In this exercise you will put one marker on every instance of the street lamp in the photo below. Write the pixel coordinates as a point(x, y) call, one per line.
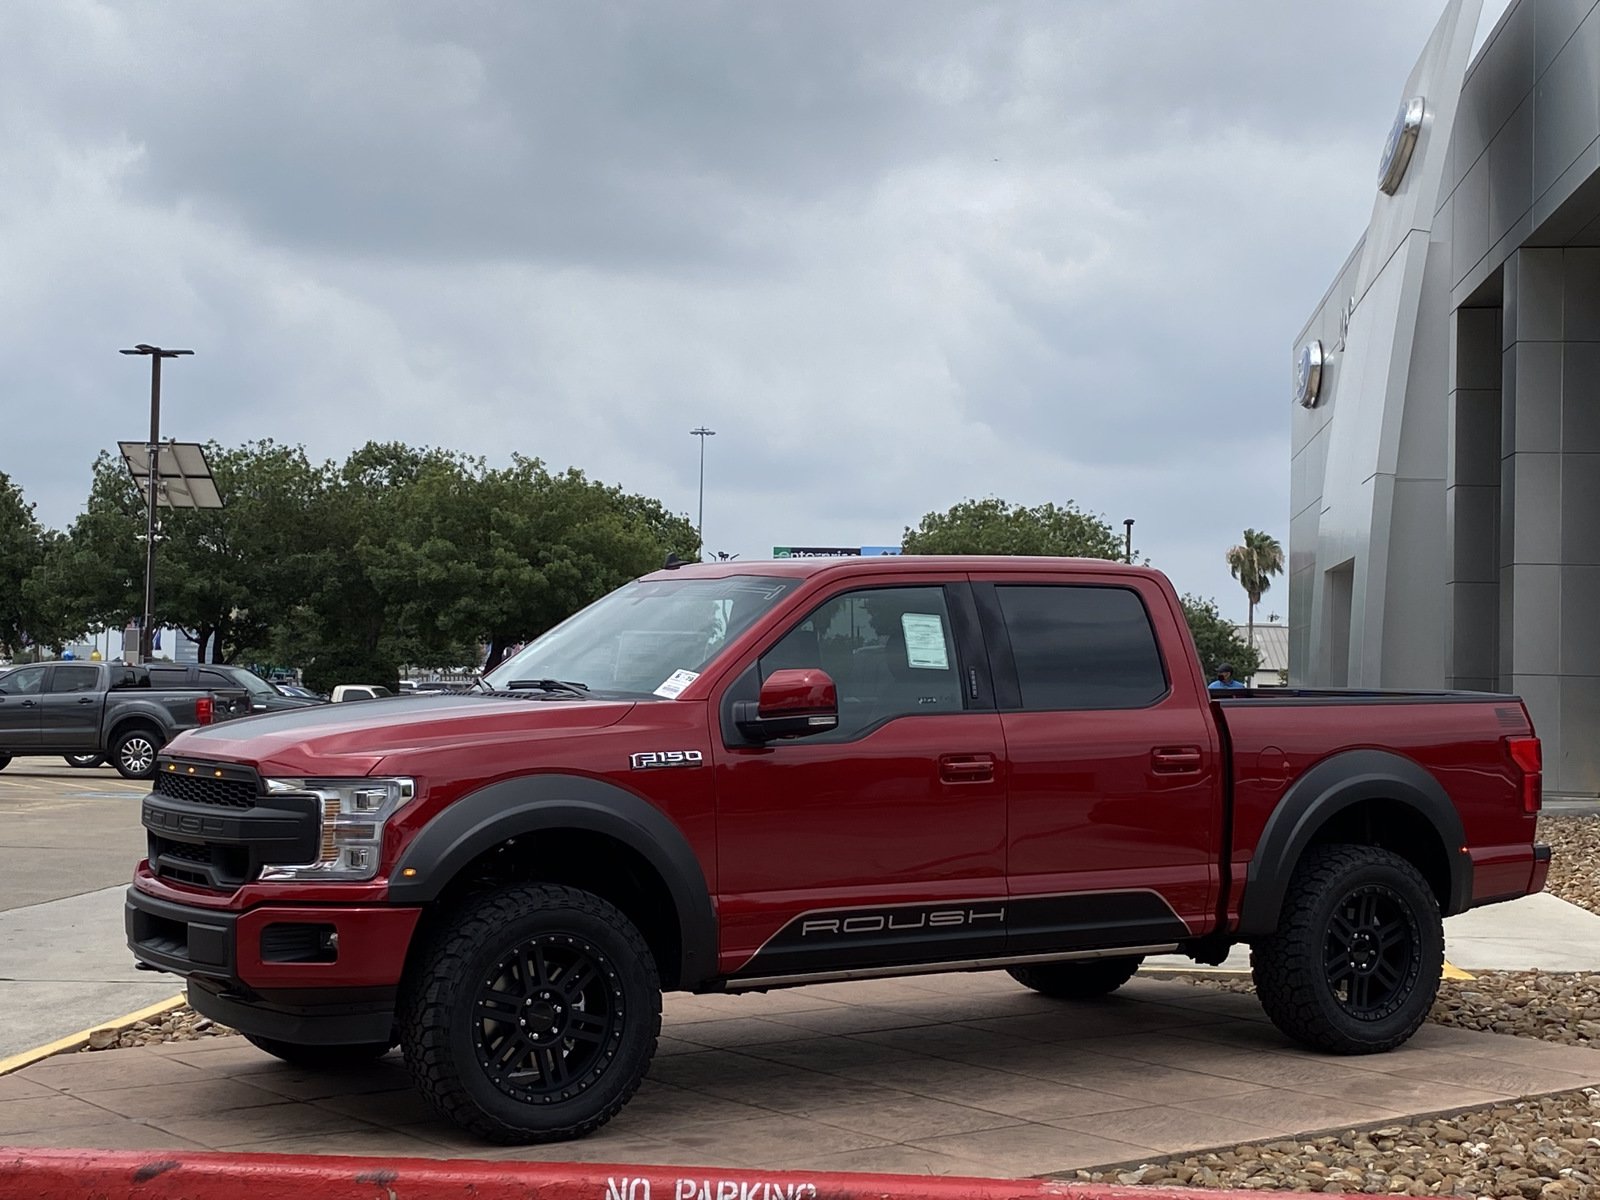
point(1127, 541)
point(700, 525)
point(155, 354)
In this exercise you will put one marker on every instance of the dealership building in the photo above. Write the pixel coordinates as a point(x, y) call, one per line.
point(1445, 482)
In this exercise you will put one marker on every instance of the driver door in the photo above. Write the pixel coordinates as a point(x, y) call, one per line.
point(880, 842)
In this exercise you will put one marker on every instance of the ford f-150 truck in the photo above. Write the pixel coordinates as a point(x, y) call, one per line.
point(735, 777)
point(98, 711)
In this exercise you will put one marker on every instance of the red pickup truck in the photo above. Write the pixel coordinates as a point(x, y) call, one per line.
point(725, 778)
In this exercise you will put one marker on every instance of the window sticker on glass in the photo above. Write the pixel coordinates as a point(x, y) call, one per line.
point(925, 646)
point(675, 683)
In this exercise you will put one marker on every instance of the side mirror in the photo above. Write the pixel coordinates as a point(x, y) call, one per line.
point(795, 703)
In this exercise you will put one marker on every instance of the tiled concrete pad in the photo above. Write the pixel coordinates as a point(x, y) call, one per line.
point(965, 1074)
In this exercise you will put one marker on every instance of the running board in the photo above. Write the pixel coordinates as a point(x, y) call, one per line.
point(975, 964)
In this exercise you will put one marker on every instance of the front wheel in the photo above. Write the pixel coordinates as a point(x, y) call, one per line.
point(1354, 965)
point(533, 1015)
point(84, 760)
point(320, 1057)
point(1083, 980)
point(134, 754)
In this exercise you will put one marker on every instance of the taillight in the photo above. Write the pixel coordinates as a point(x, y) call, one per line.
point(204, 710)
point(1528, 757)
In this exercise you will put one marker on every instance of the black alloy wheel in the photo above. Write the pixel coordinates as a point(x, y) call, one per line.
point(1370, 954)
point(1354, 964)
point(531, 1014)
point(547, 1018)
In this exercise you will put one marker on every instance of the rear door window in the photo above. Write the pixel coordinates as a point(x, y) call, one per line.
point(1080, 647)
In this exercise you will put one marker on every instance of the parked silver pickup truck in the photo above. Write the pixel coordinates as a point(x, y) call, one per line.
point(79, 709)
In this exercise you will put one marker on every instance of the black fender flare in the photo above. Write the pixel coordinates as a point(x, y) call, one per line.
point(482, 820)
point(1327, 789)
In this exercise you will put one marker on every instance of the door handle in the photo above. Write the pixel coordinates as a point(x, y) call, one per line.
point(1176, 760)
point(27, 704)
point(966, 768)
point(86, 700)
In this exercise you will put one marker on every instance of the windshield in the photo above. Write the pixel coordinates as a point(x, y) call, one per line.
point(253, 683)
point(646, 636)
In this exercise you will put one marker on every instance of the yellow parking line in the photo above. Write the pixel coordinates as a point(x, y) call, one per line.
point(74, 1040)
point(1451, 971)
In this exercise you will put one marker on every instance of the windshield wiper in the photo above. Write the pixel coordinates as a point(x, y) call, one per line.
point(547, 685)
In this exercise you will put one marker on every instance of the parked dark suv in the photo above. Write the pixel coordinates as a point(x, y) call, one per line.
point(201, 676)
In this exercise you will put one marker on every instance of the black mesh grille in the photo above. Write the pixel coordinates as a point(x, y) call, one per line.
point(206, 789)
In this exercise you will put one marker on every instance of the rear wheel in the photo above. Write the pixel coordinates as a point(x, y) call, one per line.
point(533, 1016)
point(84, 760)
point(1354, 965)
point(1081, 980)
point(330, 1057)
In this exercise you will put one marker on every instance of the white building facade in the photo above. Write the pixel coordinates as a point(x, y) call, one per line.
point(1445, 481)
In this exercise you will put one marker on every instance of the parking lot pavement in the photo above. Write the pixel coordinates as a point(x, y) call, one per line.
point(69, 839)
point(960, 1074)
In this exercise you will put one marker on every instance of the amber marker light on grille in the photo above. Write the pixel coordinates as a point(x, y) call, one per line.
point(409, 872)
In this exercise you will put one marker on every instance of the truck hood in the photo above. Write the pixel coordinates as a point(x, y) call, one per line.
point(351, 739)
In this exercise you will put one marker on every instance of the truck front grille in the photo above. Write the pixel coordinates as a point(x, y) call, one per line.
point(206, 789)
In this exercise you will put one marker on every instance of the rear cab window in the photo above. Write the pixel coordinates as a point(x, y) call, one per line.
point(1080, 646)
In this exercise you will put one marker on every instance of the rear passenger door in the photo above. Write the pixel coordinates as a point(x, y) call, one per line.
point(1115, 788)
point(70, 708)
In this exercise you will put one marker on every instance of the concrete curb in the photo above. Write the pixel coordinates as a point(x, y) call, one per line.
point(152, 1175)
point(74, 1041)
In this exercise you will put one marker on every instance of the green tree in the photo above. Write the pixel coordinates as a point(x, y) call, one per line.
point(1254, 562)
point(1216, 640)
point(21, 551)
point(993, 526)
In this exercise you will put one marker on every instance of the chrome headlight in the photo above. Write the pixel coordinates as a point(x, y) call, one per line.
point(353, 815)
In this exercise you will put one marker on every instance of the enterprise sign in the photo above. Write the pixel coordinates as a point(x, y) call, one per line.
point(832, 551)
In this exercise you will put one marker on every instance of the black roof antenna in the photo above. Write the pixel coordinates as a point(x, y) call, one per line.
point(673, 561)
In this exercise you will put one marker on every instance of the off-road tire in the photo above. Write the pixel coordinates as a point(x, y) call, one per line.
point(320, 1057)
point(134, 752)
point(85, 760)
point(1308, 970)
point(450, 1044)
point(5, 761)
point(1081, 980)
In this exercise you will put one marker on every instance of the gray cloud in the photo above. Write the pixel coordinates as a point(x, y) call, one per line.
point(896, 254)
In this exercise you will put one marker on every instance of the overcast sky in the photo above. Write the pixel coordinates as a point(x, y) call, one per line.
point(895, 253)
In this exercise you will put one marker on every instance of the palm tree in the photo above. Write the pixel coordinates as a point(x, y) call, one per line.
point(1253, 563)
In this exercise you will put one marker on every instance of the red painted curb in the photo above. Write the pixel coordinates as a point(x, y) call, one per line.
point(153, 1175)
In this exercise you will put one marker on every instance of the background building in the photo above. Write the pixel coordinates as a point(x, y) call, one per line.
point(1445, 483)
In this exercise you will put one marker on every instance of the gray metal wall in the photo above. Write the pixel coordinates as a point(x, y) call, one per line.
point(1445, 493)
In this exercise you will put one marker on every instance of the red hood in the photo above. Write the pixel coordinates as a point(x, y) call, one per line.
point(351, 739)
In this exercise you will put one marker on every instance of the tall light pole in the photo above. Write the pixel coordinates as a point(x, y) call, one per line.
point(146, 628)
point(700, 525)
point(1127, 541)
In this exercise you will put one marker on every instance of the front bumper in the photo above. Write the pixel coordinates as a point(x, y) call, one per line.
point(304, 973)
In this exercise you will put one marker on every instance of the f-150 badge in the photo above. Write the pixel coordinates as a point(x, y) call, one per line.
point(667, 758)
